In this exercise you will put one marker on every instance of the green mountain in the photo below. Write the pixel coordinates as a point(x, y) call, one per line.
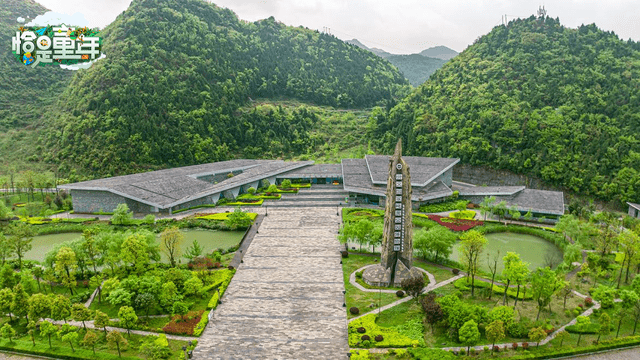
point(416, 68)
point(177, 71)
point(536, 98)
point(439, 52)
point(24, 91)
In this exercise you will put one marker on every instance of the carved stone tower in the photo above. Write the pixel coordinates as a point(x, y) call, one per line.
point(397, 243)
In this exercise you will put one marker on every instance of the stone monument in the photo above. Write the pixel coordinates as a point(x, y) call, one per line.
point(397, 243)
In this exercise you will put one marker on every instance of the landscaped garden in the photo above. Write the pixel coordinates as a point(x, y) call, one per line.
point(473, 317)
point(158, 276)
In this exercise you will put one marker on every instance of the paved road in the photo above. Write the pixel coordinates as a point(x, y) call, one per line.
point(631, 354)
point(285, 301)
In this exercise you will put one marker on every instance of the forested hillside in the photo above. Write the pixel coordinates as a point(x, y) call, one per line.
point(416, 68)
point(24, 91)
point(533, 97)
point(175, 74)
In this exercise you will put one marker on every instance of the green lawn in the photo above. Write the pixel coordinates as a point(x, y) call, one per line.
point(59, 349)
point(439, 273)
point(354, 296)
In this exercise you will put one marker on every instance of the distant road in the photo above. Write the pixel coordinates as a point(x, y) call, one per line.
point(630, 354)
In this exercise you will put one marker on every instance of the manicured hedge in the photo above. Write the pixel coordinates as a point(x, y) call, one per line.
point(194, 207)
point(551, 353)
point(464, 285)
point(204, 320)
point(444, 206)
point(463, 214)
point(223, 279)
point(222, 216)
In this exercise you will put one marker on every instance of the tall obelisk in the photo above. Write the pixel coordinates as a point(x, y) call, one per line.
point(397, 244)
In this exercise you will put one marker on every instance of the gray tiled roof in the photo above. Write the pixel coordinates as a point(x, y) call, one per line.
point(315, 171)
point(170, 187)
point(489, 190)
point(540, 201)
point(634, 205)
point(356, 178)
point(423, 169)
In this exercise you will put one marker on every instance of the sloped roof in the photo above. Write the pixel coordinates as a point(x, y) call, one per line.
point(489, 190)
point(423, 170)
point(540, 201)
point(357, 178)
point(315, 171)
point(170, 187)
point(636, 206)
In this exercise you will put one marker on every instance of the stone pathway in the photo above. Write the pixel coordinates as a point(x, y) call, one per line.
point(432, 286)
point(286, 299)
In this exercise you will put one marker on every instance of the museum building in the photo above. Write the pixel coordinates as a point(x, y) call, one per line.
point(365, 180)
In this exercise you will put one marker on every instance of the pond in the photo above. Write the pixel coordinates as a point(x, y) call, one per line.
point(208, 240)
point(532, 249)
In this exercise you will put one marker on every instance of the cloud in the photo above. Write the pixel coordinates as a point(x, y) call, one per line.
point(20, 19)
point(55, 18)
point(81, 66)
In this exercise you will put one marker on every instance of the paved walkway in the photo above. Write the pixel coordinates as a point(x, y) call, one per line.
point(286, 299)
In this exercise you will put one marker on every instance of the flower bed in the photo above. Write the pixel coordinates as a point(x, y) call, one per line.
point(180, 326)
point(455, 224)
point(221, 216)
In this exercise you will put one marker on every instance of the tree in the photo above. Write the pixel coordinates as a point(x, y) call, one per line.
point(621, 313)
point(572, 253)
point(21, 240)
point(65, 267)
point(519, 272)
point(473, 243)
point(193, 251)
point(169, 295)
point(179, 308)
point(6, 246)
point(6, 299)
point(433, 311)
point(4, 211)
point(630, 242)
point(115, 339)
point(514, 213)
point(145, 301)
point(47, 329)
point(582, 324)
point(70, 337)
point(566, 291)
point(438, 241)
point(128, 318)
point(90, 339)
point(544, 283)
point(134, 252)
point(272, 188)
point(91, 249)
point(31, 330)
point(469, 334)
point(101, 320)
point(171, 240)
point(361, 231)
point(605, 325)
point(495, 332)
point(485, 206)
point(562, 335)
point(192, 286)
point(121, 215)
point(500, 209)
point(492, 263)
point(413, 286)
point(537, 334)
point(80, 313)
point(96, 281)
point(120, 297)
point(60, 307)
point(156, 347)
point(605, 295)
point(20, 302)
point(39, 306)
point(7, 332)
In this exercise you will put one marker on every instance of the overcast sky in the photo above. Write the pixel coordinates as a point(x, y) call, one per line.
point(400, 26)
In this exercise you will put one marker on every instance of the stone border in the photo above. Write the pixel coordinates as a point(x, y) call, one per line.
point(352, 280)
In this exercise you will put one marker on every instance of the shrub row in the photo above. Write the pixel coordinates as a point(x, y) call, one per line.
point(552, 353)
point(444, 206)
point(463, 285)
point(204, 320)
point(223, 279)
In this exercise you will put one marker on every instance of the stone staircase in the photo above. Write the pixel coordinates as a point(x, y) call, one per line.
point(316, 196)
